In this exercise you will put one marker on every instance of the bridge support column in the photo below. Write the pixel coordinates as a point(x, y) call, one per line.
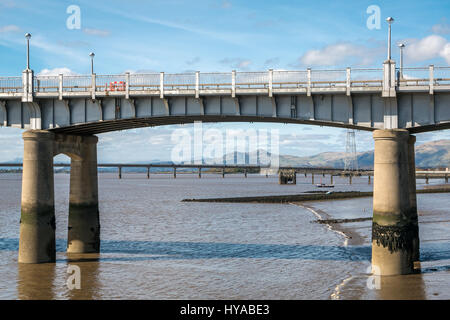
point(84, 223)
point(395, 227)
point(37, 219)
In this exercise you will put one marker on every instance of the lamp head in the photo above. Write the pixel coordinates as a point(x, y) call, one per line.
point(28, 36)
point(390, 20)
point(91, 54)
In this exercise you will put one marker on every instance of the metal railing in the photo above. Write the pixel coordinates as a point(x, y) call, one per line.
point(271, 79)
point(11, 84)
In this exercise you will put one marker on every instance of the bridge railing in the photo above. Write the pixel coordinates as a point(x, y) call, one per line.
point(215, 80)
point(272, 79)
point(441, 76)
point(366, 77)
point(288, 79)
point(11, 84)
point(179, 81)
point(144, 81)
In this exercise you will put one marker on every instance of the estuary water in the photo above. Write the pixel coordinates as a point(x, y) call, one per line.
point(153, 246)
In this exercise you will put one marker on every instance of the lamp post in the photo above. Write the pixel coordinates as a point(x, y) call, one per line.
point(401, 46)
point(92, 55)
point(28, 36)
point(389, 20)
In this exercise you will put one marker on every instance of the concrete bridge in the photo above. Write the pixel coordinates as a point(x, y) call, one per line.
point(63, 113)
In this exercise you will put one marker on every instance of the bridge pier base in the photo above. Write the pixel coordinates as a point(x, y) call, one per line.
point(395, 236)
point(37, 218)
point(84, 223)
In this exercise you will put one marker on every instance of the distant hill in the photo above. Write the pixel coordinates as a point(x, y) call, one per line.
point(434, 154)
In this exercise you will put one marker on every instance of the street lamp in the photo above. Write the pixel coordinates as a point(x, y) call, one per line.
point(28, 36)
point(401, 46)
point(92, 55)
point(389, 20)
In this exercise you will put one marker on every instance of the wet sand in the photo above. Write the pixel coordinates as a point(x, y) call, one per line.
point(433, 281)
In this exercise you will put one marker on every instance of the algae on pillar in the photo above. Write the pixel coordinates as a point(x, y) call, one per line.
point(395, 227)
point(37, 219)
point(84, 223)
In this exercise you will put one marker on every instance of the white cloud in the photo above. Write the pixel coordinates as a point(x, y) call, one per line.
point(339, 53)
point(237, 63)
point(9, 28)
point(441, 28)
point(445, 53)
point(424, 49)
point(56, 71)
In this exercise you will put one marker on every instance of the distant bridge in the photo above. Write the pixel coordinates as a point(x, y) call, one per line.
point(420, 174)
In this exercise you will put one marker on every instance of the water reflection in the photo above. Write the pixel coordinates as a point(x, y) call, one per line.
point(89, 276)
point(35, 281)
point(407, 287)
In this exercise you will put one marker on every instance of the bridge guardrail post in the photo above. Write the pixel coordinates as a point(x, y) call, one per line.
point(127, 85)
point(348, 81)
point(431, 79)
point(93, 85)
point(197, 84)
point(388, 89)
point(308, 88)
point(270, 82)
point(60, 86)
point(27, 84)
point(233, 84)
point(161, 85)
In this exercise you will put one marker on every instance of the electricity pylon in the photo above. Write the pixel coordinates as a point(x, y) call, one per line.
point(351, 158)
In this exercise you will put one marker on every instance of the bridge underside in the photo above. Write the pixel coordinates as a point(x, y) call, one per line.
point(414, 111)
point(132, 123)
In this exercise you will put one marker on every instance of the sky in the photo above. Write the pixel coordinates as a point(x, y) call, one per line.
point(216, 35)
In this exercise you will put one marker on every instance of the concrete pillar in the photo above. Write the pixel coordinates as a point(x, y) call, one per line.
point(84, 222)
point(120, 172)
point(413, 198)
point(37, 219)
point(394, 228)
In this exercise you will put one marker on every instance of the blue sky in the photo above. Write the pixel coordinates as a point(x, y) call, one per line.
point(215, 35)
